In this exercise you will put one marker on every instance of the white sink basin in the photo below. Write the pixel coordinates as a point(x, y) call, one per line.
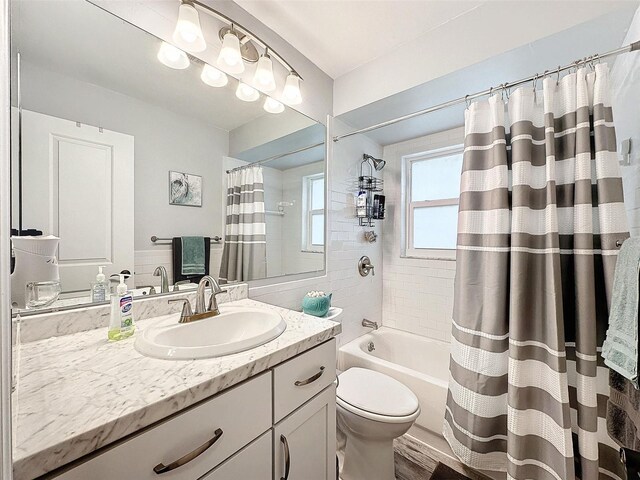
point(236, 329)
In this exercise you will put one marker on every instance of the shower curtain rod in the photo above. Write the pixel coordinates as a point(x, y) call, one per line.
point(275, 157)
point(505, 86)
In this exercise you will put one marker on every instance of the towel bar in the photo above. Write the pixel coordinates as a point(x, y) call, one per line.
point(155, 239)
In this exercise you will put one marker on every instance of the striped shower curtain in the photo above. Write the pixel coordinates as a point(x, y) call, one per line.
point(541, 210)
point(245, 243)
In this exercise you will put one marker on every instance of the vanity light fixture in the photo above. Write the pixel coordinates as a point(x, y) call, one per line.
point(188, 33)
point(247, 93)
point(291, 93)
point(213, 77)
point(271, 105)
point(239, 45)
point(230, 58)
point(263, 78)
point(172, 57)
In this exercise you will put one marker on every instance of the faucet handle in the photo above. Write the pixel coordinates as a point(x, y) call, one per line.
point(186, 308)
point(213, 303)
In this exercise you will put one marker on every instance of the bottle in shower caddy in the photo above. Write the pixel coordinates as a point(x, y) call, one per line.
point(121, 324)
point(361, 202)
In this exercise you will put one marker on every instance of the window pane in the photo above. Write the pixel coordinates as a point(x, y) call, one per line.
point(317, 229)
point(317, 194)
point(435, 227)
point(436, 178)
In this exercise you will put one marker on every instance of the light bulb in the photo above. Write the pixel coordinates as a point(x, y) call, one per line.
point(271, 105)
point(188, 34)
point(247, 93)
point(172, 57)
point(291, 93)
point(263, 78)
point(230, 58)
point(213, 77)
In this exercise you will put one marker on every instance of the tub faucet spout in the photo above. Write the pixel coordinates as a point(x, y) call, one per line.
point(369, 324)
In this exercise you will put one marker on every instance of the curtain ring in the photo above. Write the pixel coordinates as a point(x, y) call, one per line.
point(491, 91)
point(467, 101)
point(576, 65)
point(558, 75)
point(501, 87)
point(535, 82)
point(506, 90)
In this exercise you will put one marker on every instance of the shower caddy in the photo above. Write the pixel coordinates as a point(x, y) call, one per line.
point(374, 209)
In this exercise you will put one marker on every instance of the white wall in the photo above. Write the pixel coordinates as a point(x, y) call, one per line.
point(266, 128)
point(625, 98)
point(359, 297)
point(417, 293)
point(490, 29)
point(163, 140)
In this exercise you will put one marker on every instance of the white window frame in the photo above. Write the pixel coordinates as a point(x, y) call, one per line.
point(308, 213)
point(408, 206)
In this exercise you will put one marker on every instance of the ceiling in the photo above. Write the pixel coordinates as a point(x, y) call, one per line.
point(339, 35)
point(559, 49)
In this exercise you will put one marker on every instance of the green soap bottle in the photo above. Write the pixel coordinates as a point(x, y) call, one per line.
point(121, 324)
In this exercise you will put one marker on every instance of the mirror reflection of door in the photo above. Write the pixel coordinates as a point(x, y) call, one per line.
point(78, 185)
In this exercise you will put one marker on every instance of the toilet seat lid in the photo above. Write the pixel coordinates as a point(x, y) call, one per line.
point(376, 392)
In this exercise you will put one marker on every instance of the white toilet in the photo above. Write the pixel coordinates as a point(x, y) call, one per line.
point(372, 410)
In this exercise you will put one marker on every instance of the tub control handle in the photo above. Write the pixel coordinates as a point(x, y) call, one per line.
point(311, 379)
point(365, 266)
point(287, 457)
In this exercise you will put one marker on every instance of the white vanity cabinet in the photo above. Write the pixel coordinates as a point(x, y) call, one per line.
point(253, 431)
point(305, 441)
point(251, 463)
point(190, 444)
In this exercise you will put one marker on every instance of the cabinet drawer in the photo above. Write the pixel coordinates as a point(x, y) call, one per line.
point(251, 463)
point(302, 377)
point(227, 422)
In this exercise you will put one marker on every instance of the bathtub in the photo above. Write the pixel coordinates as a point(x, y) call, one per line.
point(421, 363)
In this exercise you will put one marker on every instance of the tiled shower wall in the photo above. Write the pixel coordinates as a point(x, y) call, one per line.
point(417, 293)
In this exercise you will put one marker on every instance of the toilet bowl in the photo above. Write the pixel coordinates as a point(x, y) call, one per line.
point(372, 410)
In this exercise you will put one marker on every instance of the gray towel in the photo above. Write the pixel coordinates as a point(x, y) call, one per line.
point(193, 256)
point(620, 348)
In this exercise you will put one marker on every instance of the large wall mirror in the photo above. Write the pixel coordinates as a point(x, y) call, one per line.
point(129, 164)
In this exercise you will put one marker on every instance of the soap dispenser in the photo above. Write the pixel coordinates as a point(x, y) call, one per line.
point(100, 288)
point(121, 322)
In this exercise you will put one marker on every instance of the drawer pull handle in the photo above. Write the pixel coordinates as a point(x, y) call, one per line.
point(287, 458)
point(313, 378)
point(162, 468)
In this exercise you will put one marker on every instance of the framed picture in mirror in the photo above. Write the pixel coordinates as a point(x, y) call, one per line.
point(185, 189)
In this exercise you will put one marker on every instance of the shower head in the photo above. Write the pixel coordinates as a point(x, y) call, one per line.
point(378, 163)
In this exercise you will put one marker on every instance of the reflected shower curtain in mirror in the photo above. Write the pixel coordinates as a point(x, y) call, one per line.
point(541, 209)
point(245, 244)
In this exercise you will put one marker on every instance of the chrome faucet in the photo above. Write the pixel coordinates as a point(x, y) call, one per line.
point(164, 279)
point(369, 324)
point(187, 315)
point(213, 303)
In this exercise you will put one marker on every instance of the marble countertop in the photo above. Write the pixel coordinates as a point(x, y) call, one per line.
point(77, 393)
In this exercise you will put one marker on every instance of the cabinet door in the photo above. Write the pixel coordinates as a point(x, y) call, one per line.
point(305, 441)
point(252, 462)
